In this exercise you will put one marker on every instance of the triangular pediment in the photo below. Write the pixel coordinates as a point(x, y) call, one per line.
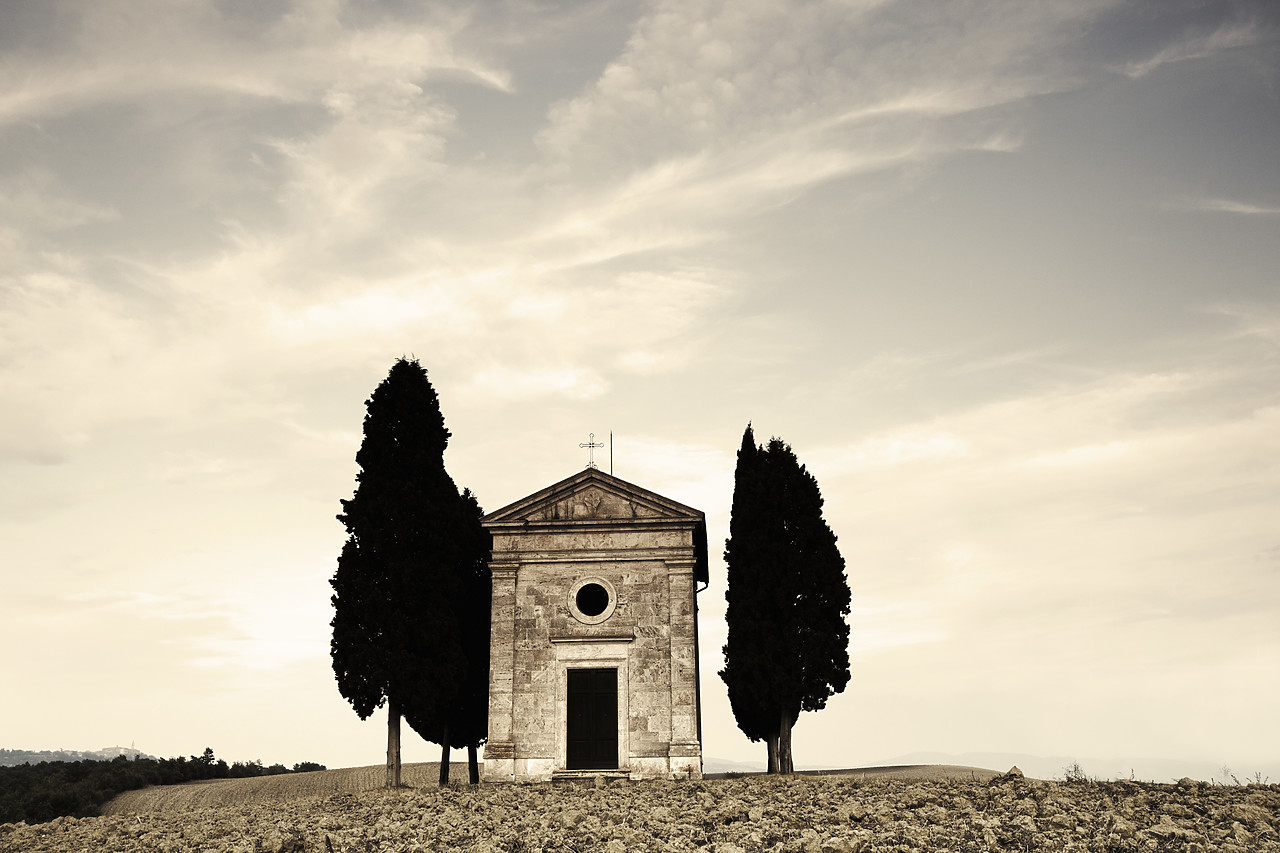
point(588, 496)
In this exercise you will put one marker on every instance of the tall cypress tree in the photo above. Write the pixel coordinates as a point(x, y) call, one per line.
point(787, 647)
point(402, 586)
point(749, 601)
point(465, 721)
point(470, 726)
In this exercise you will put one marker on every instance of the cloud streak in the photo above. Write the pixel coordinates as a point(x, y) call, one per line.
point(1224, 205)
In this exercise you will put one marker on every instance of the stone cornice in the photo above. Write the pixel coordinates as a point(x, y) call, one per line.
point(644, 506)
point(584, 638)
point(678, 566)
point(646, 555)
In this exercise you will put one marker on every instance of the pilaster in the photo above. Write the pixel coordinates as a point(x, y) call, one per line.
point(684, 673)
point(499, 751)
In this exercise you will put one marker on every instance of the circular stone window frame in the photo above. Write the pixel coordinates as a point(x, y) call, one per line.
point(604, 614)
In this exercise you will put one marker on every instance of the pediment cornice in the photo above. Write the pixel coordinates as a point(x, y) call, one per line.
point(591, 496)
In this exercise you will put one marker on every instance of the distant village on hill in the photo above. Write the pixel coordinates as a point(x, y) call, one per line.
point(17, 757)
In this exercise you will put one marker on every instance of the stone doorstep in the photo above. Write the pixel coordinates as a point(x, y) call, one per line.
point(589, 775)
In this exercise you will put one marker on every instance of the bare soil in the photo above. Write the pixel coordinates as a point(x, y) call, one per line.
point(918, 772)
point(287, 786)
point(837, 813)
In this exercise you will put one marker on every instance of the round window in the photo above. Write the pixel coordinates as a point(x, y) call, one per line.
point(592, 600)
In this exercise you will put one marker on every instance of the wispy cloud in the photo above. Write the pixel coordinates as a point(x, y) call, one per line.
point(1225, 205)
point(123, 51)
point(1089, 454)
point(39, 200)
point(1254, 320)
point(877, 627)
point(897, 448)
point(501, 384)
point(1230, 35)
point(693, 75)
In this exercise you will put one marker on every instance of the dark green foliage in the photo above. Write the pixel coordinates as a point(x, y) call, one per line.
point(751, 605)
point(469, 724)
point(787, 594)
point(410, 570)
point(36, 793)
point(253, 769)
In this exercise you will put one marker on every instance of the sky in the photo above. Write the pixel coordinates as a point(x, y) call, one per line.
point(1005, 275)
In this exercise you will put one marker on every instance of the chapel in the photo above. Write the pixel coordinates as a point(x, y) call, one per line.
point(594, 641)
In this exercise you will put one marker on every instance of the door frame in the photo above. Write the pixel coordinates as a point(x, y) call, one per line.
point(591, 655)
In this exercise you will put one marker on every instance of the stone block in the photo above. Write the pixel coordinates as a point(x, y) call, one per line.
point(499, 769)
point(534, 769)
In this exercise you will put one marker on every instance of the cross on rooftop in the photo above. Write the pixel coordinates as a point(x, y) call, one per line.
point(591, 444)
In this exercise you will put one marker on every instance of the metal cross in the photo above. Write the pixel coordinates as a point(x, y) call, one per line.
point(591, 444)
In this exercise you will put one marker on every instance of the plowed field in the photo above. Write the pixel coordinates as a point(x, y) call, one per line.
point(798, 814)
point(287, 786)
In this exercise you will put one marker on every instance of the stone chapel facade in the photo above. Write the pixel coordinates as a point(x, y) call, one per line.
point(594, 641)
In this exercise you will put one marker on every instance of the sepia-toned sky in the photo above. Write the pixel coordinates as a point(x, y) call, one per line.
point(1006, 275)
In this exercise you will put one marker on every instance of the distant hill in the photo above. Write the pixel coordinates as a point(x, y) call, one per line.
point(1050, 766)
point(1142, 769)
point(16, 757)
point(216, 793)
point(710, 764)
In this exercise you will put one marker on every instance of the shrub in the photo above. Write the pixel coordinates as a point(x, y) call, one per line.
point(1073, 774)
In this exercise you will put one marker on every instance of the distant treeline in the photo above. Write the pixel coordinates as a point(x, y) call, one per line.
point(36, 793)
point(14, 757)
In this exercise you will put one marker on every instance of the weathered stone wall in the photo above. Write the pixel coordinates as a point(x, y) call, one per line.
point(649, 633)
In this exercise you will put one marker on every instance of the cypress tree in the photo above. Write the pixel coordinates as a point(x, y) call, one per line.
point(470, 726)
point(749, 603)
point(465, 721)
point(402, 586)
point(787, 646)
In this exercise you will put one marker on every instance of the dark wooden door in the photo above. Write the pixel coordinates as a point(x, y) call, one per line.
point(593, 719)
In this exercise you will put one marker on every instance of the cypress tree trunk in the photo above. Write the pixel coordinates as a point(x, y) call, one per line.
point(473, 764)
point(785, 764)
point(444, 759)
point(393, 744)
point(772, 742)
